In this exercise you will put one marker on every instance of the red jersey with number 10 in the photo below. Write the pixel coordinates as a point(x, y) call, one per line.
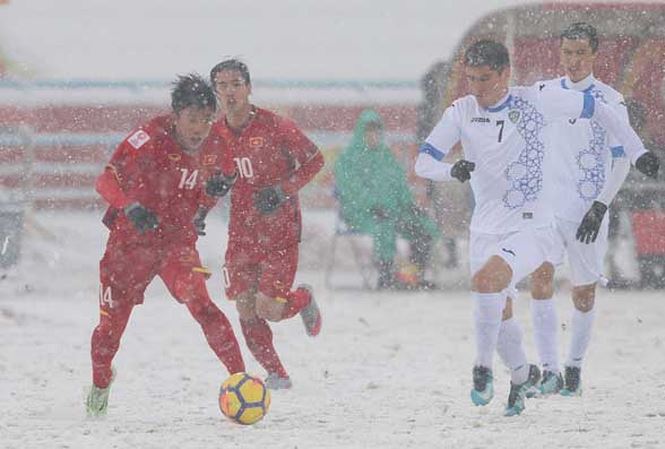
point(151, 168)
point(269, 151)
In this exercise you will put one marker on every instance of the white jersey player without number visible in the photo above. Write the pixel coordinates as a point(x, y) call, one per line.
point(586, 153)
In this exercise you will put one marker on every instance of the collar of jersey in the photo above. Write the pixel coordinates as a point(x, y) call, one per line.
point(502, 104)
point(584, 85)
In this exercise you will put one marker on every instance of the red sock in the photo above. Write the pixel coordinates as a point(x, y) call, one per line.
point(222, 340)
point(259, 341)
point(217, 330)
point(105, 343)
point(296, 301)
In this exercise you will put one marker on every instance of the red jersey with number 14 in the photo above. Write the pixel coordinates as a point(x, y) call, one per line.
point(151, 168)
point(269, 151)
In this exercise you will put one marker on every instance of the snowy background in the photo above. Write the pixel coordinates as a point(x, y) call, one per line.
point(303, 39)
point(389, 370)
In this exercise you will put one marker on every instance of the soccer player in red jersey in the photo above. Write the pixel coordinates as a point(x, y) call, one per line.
point(155, 184)
point(270, 161)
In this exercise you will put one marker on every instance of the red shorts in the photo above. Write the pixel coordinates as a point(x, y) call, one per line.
point(270, 273)
point(127, 270)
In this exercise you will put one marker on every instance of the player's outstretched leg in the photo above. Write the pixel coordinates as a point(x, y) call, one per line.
point(104, 344)
point(287, 304)
point(483, 385)
point(518, 391)
point(310, 314)
point(259, 341)
point(218, 332)
point(97, 400)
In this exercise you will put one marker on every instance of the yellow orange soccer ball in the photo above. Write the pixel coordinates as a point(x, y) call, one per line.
point(244, 398)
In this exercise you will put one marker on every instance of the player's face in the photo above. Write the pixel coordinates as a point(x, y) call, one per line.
point(192, 126)
point(486, 84)
point(577, 58)
point(373, 136)
point(232, 90)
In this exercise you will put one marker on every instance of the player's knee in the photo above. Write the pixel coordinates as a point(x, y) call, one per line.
point(107, 334)
point(190, 286)
point(584, 297)
point(542, 282)
point(203, 310)
point(493, 277)
point(245, 307)
point(269, 308)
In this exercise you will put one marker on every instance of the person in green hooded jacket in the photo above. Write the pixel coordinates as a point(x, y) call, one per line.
point(375, 199)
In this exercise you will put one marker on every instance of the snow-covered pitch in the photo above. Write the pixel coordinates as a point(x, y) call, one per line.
point(389, 370)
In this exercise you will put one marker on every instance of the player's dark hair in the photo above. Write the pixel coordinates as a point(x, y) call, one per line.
point(581, 30)
point(231, 64)
point(192, 90)
point(486, 52)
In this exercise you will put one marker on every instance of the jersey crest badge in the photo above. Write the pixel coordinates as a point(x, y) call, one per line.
point(138, 139)
point(209, 159)
point(514, 115)
point(174, 157)
point(256, 142)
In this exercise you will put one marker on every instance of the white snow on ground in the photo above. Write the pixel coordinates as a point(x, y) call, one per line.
point(390, 370)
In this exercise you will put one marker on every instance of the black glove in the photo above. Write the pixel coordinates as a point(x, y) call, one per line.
point(648, 164)
point(200, 221)
point(219, 185)
point(269, 199)
point(141, 218)
point(462, 170)
point(588, 229)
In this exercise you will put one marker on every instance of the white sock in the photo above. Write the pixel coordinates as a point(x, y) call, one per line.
point(509, 347)
point(487, 315)
point(581, 330)
point(545, 326)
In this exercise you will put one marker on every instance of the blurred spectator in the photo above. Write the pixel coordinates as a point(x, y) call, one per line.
point(639, 194)
point(376, 199)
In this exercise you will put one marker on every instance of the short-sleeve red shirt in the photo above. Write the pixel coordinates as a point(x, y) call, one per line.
point(152, 169)
point(269, 151)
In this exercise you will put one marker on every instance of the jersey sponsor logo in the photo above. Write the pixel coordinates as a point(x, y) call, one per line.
point(514, 115)
point(508, 251)
point(138, 139)
point(174, 156)
point(572, 121)
point(209, 159)
point(527, 215)
point(480, 120)
point(541, 86)
point(256, 142)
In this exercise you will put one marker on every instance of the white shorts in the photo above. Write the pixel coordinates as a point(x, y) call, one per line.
point(586, 260)
point(523, 250)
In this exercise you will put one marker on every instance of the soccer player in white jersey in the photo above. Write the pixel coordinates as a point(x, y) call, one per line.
point(590, 167)
point(512, 227)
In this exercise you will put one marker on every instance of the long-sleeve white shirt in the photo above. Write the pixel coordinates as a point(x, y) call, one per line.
point(512, 182)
